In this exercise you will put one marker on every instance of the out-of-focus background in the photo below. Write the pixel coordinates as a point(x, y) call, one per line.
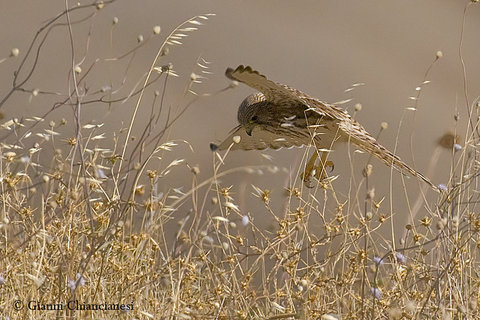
point(319, 47)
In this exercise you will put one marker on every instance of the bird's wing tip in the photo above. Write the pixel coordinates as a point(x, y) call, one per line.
point(213, 146)
point(228, 73)
point(233, 73)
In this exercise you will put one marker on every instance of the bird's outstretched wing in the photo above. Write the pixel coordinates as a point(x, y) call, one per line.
point(274, 92)
point(259, 140)
point(281, 94)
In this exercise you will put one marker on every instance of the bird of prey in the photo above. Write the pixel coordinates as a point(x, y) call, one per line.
point(278, 116)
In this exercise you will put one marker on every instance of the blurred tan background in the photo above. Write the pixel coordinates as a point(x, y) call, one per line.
point(319, 47)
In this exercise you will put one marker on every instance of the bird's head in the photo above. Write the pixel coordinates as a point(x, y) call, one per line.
point(252, 112)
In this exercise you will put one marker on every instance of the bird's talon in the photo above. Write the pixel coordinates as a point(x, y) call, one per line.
point(308, 181)
point(310, 169)
point(322, 172)
point(307, 176)
point(330, 164)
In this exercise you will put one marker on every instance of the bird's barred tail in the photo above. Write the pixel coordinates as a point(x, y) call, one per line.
point(390, 159)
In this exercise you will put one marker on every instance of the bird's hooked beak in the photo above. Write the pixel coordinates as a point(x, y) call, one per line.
point(249, 127)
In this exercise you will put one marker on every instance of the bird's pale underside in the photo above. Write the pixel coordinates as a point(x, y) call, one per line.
point(279, 116)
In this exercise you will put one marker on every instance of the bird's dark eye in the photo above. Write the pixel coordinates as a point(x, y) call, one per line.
point(254, 118)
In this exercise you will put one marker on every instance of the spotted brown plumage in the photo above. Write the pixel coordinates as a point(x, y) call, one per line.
point(279, 116)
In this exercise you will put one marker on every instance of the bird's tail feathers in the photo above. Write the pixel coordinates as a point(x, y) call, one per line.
point(383, 154)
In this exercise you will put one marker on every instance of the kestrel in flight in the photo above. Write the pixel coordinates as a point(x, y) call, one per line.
point(278, 116)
